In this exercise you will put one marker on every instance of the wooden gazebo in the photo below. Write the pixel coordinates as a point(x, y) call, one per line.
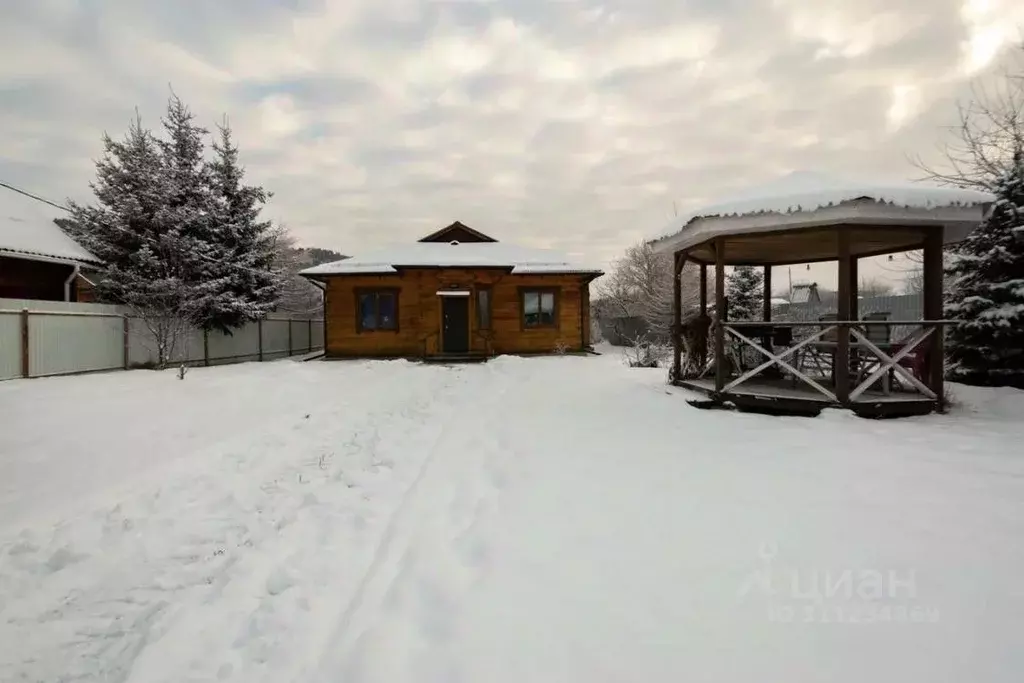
point(806, 218)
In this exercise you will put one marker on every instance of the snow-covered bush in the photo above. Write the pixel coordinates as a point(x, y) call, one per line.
point(643, 353)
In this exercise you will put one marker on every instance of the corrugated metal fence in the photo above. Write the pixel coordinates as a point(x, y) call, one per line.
point(899, 307)
point(42, 338)
point(621, 331)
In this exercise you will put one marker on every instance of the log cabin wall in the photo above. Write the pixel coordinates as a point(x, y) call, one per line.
point(418, 331)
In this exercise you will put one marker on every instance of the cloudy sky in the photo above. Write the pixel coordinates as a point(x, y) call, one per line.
point(573, 124)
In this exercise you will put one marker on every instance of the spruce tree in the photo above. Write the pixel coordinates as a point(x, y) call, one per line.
point(745, 287)
point(149, 260)
point(180, 235)
point(192, 213)
point(252, 283)
point(986, 293)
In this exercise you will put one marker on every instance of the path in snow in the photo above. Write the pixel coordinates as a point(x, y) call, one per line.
point(224, 569)
point(558, 519)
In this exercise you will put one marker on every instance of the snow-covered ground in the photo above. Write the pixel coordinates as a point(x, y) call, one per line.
point(550, 519)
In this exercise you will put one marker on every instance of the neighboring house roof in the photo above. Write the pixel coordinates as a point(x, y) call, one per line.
point(806, 192)
point(455, 254)
point(27, 231)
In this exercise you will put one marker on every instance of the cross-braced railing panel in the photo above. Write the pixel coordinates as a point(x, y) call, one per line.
point(887, 363)
point(779, 359)
point(868, 360)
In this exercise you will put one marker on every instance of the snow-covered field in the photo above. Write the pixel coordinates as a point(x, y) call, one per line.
point(552, 519)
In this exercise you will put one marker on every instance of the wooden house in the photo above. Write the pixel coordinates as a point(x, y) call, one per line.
point(37, 260)
point(456, 293)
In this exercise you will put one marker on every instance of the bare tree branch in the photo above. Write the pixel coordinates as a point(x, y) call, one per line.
point(990, 129)
point(640, 285)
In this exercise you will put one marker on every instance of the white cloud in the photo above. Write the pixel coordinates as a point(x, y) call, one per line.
point(846, 29)
point(906, 102)
point(279, 116)
point(991, 25)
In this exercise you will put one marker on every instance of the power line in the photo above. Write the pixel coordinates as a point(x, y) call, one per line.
point(35, 197)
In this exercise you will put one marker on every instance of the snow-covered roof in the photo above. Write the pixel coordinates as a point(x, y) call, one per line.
point(522, 260)
point(27, 231)
point(805, 192)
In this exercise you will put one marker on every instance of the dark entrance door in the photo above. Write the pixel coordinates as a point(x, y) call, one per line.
point(455, 324)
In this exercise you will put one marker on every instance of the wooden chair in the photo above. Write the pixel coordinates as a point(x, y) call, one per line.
point(818, 356)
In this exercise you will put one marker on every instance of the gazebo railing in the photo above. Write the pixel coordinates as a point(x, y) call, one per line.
point(881, 359)
point(776, 359)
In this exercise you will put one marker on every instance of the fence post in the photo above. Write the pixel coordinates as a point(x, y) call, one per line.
point(259, 331)
point(24, 343)
point(289, 336)
point(206, 347)
point(309, 339)
point(125, 340)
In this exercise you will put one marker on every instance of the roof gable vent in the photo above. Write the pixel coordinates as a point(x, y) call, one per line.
point(457, 231)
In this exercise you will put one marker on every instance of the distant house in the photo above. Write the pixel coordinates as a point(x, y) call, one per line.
point(806, 294)
point(455, 293)
point(37, 260)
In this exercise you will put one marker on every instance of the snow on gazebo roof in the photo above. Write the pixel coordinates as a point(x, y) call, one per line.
point(807, 192)
point(27, 231)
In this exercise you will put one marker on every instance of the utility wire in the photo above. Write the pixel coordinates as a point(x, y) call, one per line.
point(33, 196)
point(64, 208)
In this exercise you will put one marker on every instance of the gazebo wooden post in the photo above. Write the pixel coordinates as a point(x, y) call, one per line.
point(703, 345)
point(854, 289)
point(767, 308)
point(933, 271)
point(703, 289)
point(720, 313)
point(847, 289)
point(677, 314)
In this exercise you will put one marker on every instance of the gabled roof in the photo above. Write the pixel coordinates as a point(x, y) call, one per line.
point(803, 293)
point(518, 260)
point(458, 232)
point(27, 231)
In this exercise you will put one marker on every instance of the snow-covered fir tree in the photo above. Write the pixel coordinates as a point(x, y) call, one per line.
point(987, 292)
point(252, 279)
point(744, 288)
point(180, 235)
point(150, 261)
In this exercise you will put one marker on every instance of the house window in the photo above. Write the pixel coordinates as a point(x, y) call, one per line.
point(539, 308)
point(483, 309)
point(377, 310)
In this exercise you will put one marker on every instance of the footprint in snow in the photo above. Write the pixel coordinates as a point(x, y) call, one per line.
point(279, 581)
point(62, 558)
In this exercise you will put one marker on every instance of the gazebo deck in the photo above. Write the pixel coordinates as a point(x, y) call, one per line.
point(783, 396)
